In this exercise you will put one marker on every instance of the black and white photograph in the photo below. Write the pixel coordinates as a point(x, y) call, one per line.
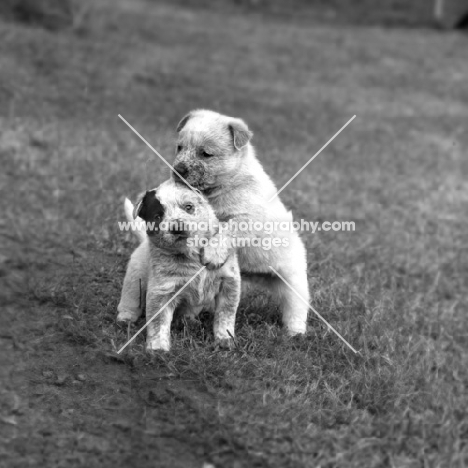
point(234, 233)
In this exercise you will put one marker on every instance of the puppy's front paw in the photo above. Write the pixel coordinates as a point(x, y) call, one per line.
point(213, 257)
point(127, 315)
point(157, 345)
point(224, 343)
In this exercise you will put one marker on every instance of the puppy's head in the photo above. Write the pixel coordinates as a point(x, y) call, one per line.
point(210, 149)
point(173, 214)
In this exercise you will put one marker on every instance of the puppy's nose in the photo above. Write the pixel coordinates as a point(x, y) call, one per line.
point(181, 169)
point(176, 227)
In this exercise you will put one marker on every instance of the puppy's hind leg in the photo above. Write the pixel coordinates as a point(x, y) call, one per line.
point(132, 300)
point(294, 306)
point(188, 312)
point(294, 303)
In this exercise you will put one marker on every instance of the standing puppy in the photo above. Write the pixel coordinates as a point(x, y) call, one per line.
point(168, 257)
point(214, 155)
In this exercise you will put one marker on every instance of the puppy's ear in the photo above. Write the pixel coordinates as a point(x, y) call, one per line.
point(137, 207)
point(149, 207)
point(241, 134)
point(183, 122)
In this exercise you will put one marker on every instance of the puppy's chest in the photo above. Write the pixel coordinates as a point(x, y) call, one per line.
point(203, 290)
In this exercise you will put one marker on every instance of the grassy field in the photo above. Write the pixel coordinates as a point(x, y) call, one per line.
point(396, 288)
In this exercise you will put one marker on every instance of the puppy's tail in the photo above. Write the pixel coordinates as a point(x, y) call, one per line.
point(137, 224)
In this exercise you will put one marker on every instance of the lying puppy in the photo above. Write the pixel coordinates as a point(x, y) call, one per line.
point(168, 257)
point(215, 156)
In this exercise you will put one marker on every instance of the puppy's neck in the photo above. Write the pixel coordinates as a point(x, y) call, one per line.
point(179, 254)
point(249, 177)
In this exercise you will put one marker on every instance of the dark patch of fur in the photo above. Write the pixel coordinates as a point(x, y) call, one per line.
point(151, 210)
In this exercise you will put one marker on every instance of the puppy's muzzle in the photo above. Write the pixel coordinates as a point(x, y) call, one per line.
point(193, 172)
point(177, 228)
point(181, 170)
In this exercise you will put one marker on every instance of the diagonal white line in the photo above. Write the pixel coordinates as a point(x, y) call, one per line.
point(316, 313)
point(312, 158)
point(160, 310)
point(157, 154)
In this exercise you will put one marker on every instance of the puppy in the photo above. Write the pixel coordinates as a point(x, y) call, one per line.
point(176, 220)
point(215, 156)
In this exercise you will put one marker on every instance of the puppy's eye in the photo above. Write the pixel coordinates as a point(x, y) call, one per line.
point(206, 155)
point(189, 208)
point(179, 148)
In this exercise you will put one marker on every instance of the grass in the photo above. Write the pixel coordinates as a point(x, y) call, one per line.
point(395, 288)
